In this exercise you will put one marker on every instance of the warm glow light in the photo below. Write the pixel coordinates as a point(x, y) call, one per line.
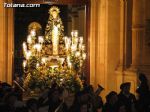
point(28, 54)
point(76, 33)
point(72, 33)
point(77, 54)
point(40, 39)
point(52, 56)
point(37, 65)
point(29, 39)
point(84, 56)
point(24, 63)
point(43, 60)
point(70, 65)
point(69, 41)
point(80, 46)
point(73, 48)
point(24, 46)
point(61, 60)
point(83, 47)
point(76, 40)
point(33, 32)
point(81, 40)
point(66, 39)
point(38, 47)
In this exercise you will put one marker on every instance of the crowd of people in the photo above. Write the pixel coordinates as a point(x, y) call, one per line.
point(56, 99)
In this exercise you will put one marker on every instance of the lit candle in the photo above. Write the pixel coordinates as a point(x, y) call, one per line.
point(69, 42)
point(77, 54)
point(24, 63)
point(33, 33)
point(37, 65)
point(80, 46)
point(28, 54)
point(76, 33)
point(46, 37)
point(73, 48)
point(83, 47)
point(72, 33)
point(29, 39)
point(70, 65)
point(24, 46)
point(84, 56)
point(81, 40)
point(81, 63)
point(65, 38)
point(40, 39)
point(76, 40)
point(38, 47)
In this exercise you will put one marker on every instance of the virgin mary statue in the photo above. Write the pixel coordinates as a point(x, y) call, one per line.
point(54, 30)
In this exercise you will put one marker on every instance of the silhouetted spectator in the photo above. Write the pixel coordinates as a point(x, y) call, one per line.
point(127, 98)
point(111, 102)
point(143, 92)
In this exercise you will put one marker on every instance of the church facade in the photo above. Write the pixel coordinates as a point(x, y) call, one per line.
point(118, 38)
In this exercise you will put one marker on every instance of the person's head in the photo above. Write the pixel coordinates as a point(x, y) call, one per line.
point(112, 98)
point(54, 14)
point(125, 87)
point(142, 77)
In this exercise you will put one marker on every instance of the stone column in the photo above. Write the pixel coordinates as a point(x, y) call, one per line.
point(6, 42)
point(98, 44)
point(2, 42)
point(138, 32)
point(123, 35)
